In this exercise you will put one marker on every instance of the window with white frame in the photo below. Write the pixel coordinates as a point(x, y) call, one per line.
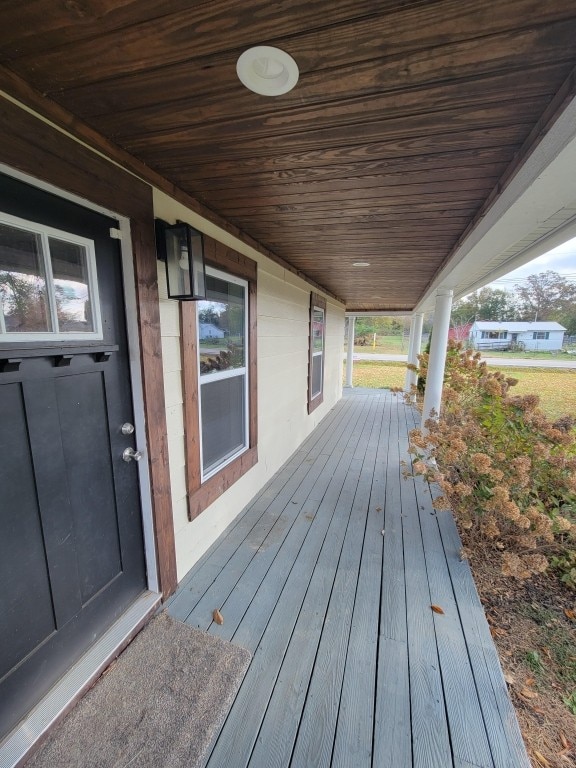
point(223, 371)
point(316, 351)
point(541, 335)
point(494, 334)
point(48, 286)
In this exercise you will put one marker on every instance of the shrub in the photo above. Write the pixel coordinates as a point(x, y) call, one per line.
point(508, 472)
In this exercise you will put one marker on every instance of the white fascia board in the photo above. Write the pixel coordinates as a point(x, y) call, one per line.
point(545, 184)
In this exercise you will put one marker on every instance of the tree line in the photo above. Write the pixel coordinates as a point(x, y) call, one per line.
point(541, 297)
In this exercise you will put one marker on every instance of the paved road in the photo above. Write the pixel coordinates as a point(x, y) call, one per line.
point(496, 361)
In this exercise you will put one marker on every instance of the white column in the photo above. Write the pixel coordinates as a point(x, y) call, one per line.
point(437, 361)
point(350, 355)
point(416, 323)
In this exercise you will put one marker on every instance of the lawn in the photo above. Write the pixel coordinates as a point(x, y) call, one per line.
point(398, 345)
point(556, 387)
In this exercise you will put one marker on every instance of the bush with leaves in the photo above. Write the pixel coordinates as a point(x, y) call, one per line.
point(507, 472)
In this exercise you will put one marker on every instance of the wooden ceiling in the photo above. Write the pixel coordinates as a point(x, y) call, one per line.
point(408, 115)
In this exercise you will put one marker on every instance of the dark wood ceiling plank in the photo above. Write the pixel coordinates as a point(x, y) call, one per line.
point(506, 137)
point(225, 25)
point(425, 127)
point(459, 164)
point(508, 88)
point(197, 31)
point(511, 60)
point(354, 190)
point(396, 184)
point(35, 26)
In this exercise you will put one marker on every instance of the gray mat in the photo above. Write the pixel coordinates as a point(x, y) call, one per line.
point(160, 704)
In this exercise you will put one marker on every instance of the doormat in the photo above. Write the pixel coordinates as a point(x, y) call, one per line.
point(159, 704)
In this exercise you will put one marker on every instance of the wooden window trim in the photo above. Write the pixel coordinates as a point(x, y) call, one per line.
point(315, 301)
point(201, 495)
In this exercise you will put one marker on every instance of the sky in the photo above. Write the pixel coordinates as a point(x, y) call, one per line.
point(561, 260)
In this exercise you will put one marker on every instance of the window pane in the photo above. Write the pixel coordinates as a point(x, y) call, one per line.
point(23, 281)
point(71, 286)
point(318, 329)
point(316, 375)
point(221, 323)
point(223, 419)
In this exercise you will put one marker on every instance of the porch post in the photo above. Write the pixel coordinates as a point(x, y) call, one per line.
point(416, 322)
point(350, 355)
point(437, 360)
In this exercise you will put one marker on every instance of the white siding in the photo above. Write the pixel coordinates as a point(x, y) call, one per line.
point(542, 345)
point(283, 303)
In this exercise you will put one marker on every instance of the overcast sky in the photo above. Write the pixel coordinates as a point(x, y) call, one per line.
point(561, 260)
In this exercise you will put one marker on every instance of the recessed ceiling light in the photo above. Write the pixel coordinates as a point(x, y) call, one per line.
point(360, 263)
point(267, 71)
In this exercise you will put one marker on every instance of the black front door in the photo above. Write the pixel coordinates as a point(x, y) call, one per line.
point(71, 549)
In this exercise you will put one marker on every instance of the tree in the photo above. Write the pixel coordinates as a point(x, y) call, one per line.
point(547, 296)
point(485, 304)
point(209, 315)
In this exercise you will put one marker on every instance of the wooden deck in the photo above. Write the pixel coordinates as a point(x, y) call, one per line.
point(328, 578)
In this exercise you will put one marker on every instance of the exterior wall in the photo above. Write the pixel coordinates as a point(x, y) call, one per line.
point(553, 343)
point(283, 305)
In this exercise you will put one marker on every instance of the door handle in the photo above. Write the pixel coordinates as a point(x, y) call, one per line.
point(129, 454)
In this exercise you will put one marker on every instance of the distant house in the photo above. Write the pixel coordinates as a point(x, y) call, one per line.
point(485, 334)
point(210, 331)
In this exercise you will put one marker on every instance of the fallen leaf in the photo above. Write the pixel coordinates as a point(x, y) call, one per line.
point(530, 681)
point(564, 741)
point(378, 509)
point(537, 711)
point(528, 694)
point(437, 609)
point(541, 759)
point(509, 679)
point(495, 631)
point(570, 614)
point(463, 554)
point(217, 616)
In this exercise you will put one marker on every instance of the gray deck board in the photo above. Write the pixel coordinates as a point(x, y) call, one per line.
point(328, 577)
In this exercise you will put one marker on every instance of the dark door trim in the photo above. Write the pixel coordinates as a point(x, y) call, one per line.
point(49, 158)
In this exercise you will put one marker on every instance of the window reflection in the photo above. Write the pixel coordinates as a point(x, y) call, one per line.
point(23, 292)
point(72, 295)
point(221, 323)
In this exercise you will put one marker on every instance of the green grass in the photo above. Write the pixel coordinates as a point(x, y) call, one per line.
point(556, 387)
point(396, 345)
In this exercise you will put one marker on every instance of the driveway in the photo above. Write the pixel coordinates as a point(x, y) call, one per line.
point(500, 362)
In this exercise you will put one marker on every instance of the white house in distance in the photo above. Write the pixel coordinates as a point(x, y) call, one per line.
point(210, 331)
point(538, 336)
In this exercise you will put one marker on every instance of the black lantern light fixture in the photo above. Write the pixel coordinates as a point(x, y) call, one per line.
point(181, 247)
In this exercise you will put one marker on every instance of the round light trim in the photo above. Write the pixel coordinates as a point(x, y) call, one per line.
point(360, 263)
point(267, 70)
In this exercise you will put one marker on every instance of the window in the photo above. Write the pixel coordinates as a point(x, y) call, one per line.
point(219, 377)
point(48, 288)
point(494, 334)
point(223, 374)
point(316, 357)
point(540, 334)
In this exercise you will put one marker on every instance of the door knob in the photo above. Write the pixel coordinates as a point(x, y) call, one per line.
point(129, 454)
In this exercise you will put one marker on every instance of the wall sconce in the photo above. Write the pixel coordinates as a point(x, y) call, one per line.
point(181, 248)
